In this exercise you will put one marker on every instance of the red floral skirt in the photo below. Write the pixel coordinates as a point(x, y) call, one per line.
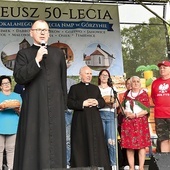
point(135, 133)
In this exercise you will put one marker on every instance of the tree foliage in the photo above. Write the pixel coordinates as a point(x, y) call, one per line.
point(143, 45)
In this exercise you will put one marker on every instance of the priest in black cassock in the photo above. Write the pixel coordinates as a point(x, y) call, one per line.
point(40, 142)
point(88, 146)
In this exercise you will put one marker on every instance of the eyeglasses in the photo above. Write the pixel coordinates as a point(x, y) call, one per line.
point(104, 75)
point(7, 83)
point(38, 30)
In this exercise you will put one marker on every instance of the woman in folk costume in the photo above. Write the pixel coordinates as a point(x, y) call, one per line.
point(135, 129)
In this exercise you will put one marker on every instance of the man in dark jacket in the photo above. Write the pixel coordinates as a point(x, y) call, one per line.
point(40, 142)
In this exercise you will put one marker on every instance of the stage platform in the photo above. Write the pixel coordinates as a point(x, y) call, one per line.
point(146, 167)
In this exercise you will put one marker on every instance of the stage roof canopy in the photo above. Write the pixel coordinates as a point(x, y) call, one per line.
point(152, 2)
point(144, 3)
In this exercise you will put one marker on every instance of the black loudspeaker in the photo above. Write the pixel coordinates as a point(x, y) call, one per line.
point(160, 161)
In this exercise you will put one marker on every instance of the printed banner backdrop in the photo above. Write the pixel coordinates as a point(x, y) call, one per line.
point(89, 34)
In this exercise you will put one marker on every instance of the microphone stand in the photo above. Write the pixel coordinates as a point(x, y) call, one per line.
point(115, 119)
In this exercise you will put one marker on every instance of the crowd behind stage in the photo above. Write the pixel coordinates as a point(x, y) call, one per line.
point(50, 121)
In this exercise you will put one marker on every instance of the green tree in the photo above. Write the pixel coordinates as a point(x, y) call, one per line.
point(143, 45)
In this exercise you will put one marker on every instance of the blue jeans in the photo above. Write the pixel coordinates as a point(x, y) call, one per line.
point(110, 134)
point(68, 119)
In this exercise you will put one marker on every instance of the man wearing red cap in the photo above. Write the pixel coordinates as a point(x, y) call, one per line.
point(161, 96)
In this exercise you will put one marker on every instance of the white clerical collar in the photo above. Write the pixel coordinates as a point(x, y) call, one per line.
point(39, 44)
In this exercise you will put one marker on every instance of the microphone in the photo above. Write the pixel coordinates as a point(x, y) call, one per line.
point(44, 45)
point(109, 81)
